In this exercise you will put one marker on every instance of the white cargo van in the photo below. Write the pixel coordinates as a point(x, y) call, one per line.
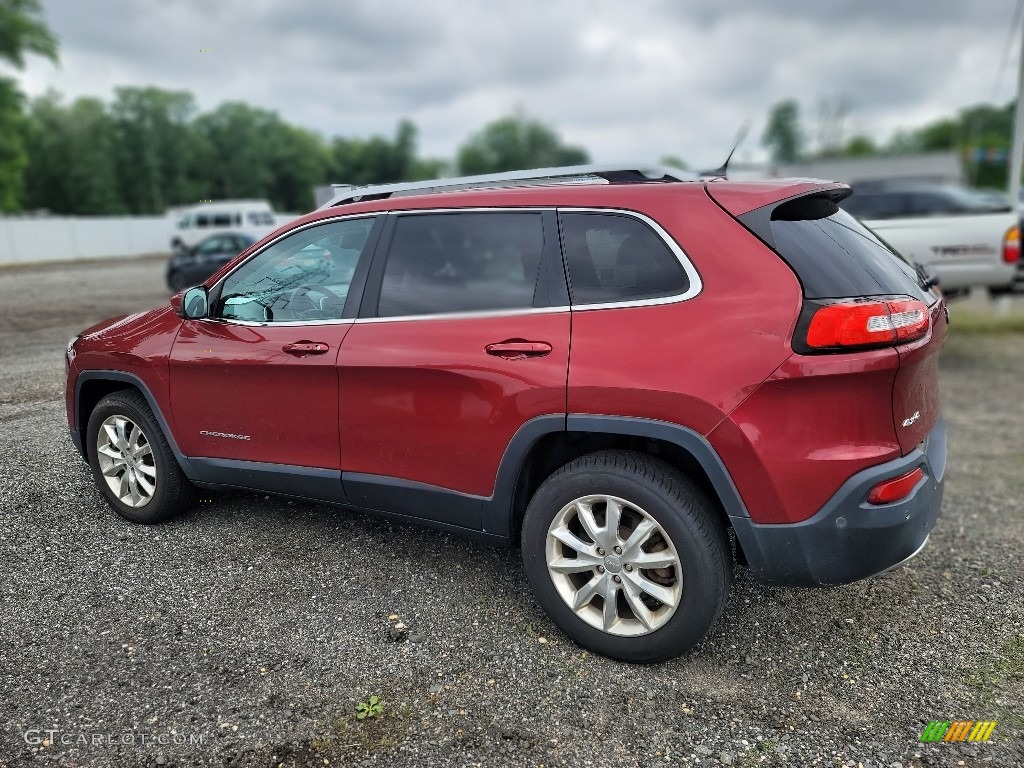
point(250, 217)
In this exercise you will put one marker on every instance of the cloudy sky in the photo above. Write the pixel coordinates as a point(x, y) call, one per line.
point(630, 80)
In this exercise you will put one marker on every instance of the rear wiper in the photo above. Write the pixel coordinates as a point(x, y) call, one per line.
point(924, 279)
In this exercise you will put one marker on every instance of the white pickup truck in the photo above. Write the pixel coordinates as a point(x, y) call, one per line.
point(965, 238)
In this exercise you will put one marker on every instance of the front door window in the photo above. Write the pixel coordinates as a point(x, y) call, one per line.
point(301, 278)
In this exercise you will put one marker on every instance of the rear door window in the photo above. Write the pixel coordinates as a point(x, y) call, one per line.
point(461, 262)
point(835, 256)
point(613, 257)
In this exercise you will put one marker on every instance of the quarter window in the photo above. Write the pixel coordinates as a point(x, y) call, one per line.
point(303, 276)
point(461, 262)
point(612, 257)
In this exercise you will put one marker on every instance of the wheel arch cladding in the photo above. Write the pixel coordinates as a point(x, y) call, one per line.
point(542, 446)
point(93, 386)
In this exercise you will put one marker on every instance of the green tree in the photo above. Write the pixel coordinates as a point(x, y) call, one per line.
point(297, 159)
point(981, 134)
point(939, 135)
point(13, 157)
point(22, 31)
point(72, 158)
point(516, 143)
point(783, 135)
point(429, 168)
point(155, 147)
point(377, 160)
point(234, 151)
point(859, 146)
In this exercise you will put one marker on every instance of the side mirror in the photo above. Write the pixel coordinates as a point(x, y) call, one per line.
point(195, 303)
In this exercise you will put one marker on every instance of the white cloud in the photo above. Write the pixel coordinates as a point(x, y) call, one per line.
point(626, 80)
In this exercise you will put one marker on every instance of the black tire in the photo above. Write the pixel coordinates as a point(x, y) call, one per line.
point(703, 573)
point(177, 282)
point(173, 493)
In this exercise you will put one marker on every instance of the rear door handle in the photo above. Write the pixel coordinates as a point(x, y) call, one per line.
point(513, 349)
point(301, 348)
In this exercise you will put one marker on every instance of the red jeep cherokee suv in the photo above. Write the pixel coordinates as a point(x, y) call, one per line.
point(633, 375)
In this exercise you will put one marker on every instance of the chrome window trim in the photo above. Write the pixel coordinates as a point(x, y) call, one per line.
point(282, 324)
point(254, 254)
point(696, 285)
point(470, 315)
point(289, 233)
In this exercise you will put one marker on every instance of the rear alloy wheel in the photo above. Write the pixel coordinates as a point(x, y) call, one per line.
point(131, 462)
point(627, 556)
point(613, 565)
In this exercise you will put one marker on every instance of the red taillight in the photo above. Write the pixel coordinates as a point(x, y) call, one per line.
point(895, 489)
point(1011, 245)
point(867, 323)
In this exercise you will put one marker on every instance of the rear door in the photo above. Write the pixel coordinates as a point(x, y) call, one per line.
point(463, 337)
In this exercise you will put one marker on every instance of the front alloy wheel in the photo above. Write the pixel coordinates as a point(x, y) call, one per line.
point(126, 461)
point(132, 462)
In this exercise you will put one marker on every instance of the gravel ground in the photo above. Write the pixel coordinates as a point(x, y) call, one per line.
point(250, 629)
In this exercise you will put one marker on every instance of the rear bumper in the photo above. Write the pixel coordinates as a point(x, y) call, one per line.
point(849, 539)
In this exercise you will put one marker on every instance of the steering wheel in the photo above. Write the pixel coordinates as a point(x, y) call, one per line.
point(296, 296)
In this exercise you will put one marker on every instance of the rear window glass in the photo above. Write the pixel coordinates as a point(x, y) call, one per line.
point(837, 257)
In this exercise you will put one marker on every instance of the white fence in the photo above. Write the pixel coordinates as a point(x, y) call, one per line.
point(64, 238)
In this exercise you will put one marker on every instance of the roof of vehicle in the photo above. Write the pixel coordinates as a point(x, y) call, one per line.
point(598, 186)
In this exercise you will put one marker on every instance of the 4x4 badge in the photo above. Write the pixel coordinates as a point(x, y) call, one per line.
point(912, 419)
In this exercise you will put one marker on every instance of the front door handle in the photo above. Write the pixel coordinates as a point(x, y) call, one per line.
point(302, 348)
point(514, 349)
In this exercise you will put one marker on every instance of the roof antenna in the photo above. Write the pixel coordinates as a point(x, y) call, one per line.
point(720, 173)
